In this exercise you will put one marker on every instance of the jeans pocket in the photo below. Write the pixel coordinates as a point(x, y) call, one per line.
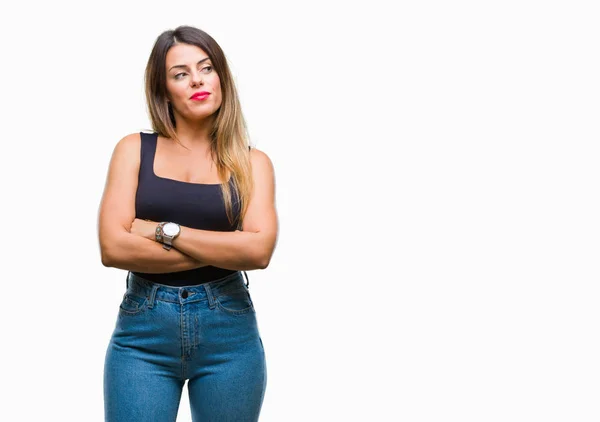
point(133, 304)
point(235, 301)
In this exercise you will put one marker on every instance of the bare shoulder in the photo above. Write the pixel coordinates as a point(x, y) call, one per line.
point(130, 142)
point(128, 148)
point(260, 161)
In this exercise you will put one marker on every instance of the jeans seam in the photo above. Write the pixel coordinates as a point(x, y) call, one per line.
point(234, 311)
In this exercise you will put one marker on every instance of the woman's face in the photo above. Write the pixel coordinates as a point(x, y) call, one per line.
point(190, 71)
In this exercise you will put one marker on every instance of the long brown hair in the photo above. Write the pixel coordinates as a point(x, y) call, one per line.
point(229, 133)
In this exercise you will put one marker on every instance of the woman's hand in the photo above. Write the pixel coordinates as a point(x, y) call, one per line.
point(144, 228)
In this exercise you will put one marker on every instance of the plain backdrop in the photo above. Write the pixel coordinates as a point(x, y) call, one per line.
point(437, 189)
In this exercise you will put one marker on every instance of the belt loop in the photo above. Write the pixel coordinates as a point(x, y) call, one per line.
point(152, 295)
point(247, 281)
point(209, 295)
point(127, 281)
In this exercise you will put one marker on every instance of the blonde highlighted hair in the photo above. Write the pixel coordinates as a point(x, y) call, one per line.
point(229, 134)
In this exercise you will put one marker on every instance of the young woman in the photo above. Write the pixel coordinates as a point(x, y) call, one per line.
point(186, 209)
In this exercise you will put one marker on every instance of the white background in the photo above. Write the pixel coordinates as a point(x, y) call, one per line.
point(437, 188)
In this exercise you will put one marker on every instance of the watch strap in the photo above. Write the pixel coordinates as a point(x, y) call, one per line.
point(158, 233)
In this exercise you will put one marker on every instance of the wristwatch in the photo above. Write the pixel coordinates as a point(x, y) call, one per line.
point(166, 232)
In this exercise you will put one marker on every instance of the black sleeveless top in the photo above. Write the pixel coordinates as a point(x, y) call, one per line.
point(196, 205)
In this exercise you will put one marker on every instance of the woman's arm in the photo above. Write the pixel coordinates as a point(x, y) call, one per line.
point(230, 250)
point(148, 256)
point(239, 250)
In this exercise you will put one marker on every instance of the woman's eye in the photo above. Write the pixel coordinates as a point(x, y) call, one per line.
point(179, 75)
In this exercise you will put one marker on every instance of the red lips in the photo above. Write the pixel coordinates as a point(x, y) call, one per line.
point(201, 94)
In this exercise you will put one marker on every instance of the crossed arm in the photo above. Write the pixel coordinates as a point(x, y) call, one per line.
point(193, 248)
point(134, 252)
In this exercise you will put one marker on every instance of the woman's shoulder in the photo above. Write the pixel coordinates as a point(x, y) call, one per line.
point(128, 147)
point(260, 160)
point(135, 137)
point(258, 154)
point(131, 141)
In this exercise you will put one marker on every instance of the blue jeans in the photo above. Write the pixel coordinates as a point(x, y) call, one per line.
point(206, 334)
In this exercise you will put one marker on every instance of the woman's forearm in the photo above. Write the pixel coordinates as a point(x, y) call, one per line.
point(135, 253)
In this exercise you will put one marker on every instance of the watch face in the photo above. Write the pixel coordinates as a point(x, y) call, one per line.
point(171, 229)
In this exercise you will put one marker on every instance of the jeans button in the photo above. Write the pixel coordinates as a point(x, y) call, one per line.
point(184, 294)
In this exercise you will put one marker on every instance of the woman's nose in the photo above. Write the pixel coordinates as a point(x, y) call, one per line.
point(196, 78)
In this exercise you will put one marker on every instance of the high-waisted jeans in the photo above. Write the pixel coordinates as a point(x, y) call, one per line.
point(206, 334)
